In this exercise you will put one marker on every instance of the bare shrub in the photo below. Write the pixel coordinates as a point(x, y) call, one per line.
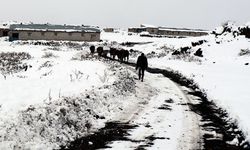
point(76, 75)
point(83, 55)
point(104, 78)
point(49, 55)
point(46, 74)
point(46, 64)
point(54, 48)
point(244, 52)
point(11, 62)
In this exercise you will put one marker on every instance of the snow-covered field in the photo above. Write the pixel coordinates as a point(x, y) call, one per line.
point(57, 93)
point(62, 94)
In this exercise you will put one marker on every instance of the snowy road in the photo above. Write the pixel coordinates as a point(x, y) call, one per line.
point(164, 121)
point(167, 111)
point(159, 117)
point(165, 115)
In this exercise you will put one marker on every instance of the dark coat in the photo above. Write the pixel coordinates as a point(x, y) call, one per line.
point(142, 62)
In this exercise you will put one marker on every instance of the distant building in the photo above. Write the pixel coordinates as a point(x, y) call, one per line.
point(137, 30)
point(53, 32)
point(4, 30)
point(180, 32)
point(109, 29)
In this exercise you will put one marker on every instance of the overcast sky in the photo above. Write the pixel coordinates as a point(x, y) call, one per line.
point(205, 14)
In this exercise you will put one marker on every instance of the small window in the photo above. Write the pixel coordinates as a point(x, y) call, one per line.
point(82, 34)
point(15, 35)
point(70, 34)
point(55, 33)
point(42, 33)
point(29, 34)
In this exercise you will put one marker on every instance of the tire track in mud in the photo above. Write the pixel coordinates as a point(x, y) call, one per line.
point(217, 131)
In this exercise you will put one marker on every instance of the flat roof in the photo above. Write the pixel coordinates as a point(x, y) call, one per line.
point(50, 27)
point(182, 29)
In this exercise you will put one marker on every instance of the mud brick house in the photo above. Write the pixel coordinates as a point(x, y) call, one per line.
point(53, 32)
point(108, 29)
point(171, 32)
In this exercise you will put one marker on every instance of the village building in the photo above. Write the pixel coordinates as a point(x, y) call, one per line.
point(4, 30)
point(171, 32)
point(108, 29)
point(137, 30)
point(53, 32)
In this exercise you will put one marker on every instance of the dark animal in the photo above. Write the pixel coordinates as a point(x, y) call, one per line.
point(245, 31)
point(92, 49)
point(105, 53)
point(123, 55)
point(176, 52)
point(184, 50)
point(99, 51)
point(198, 53)
point(113, 52)
point(198, 43)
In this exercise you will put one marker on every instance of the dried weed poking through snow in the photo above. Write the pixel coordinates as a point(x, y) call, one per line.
point(12, 62)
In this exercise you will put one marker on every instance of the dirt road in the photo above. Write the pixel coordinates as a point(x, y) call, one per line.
point(164, 121)
point(167, 114)
point(158, 119)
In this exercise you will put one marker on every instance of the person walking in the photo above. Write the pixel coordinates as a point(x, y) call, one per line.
point(142, 65)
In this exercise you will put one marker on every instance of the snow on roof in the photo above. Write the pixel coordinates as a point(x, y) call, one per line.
point(143, 26)
point(49, 27)
point(182, 29)
point(148, 26)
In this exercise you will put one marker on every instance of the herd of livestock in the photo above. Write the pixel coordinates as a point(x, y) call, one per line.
point(122, 55)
